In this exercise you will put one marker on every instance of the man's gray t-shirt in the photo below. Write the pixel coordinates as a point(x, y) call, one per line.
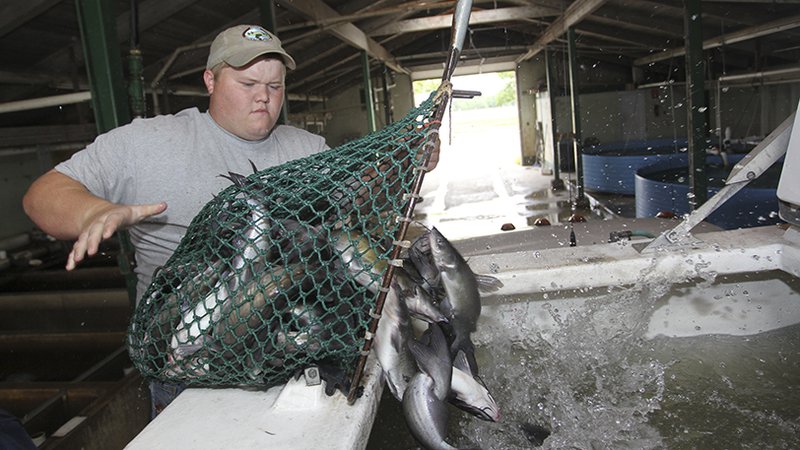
point(177, 159)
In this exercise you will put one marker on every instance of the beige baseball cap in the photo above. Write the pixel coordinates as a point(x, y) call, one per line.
point(241, 44)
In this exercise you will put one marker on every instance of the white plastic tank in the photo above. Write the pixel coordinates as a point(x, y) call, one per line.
point(789, 184)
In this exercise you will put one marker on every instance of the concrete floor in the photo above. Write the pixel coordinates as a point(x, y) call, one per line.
point(479, 185)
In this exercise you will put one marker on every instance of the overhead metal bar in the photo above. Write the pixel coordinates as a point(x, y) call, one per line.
point(347, 32)
point(768, 28)
point(696, 96)
point(574, 13)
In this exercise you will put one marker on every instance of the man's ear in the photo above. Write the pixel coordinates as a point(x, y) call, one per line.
point(208, 79)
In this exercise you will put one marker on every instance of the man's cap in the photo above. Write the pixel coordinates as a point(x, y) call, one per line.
point(241, 44)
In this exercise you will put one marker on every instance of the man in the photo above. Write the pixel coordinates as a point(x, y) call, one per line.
point(154, 175)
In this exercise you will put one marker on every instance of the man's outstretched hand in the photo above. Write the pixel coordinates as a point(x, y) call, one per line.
point(104, 223)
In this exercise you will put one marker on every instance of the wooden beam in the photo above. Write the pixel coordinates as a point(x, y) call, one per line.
point(347, 32)
point(729, 38)
point(15, 13)
point(477, 17)
point(575, 13)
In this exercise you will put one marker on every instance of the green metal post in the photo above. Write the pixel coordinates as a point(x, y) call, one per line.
point(269, 20)
point(97, 22)
point(574, 93)
point(557, 183)
point(368, 92)
point(135, 66)
point(695, 94)
point(387, 99)
point(136, 84)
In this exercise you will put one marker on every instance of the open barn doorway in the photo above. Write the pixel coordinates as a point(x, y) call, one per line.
point(479, 184)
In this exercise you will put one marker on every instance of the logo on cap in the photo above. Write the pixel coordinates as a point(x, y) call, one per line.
point(256, 34)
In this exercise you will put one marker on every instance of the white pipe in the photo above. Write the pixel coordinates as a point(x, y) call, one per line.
point(44, 102)
point(761, 74)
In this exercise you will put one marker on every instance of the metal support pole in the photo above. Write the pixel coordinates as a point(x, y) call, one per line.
point(368, 92)
point(695, 94)
point(136, 85)
point(574, 93)
point(269, 20)
point(135, 66)
point(97, 22)
point(557, 183)
point(387, 99)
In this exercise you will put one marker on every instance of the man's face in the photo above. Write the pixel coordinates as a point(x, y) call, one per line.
point(247, 101)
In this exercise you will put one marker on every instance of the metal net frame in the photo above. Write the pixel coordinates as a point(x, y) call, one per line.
point(288, 267)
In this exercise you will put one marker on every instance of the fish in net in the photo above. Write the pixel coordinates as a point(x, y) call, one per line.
point(283, 269)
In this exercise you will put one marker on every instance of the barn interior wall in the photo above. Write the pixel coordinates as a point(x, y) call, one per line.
point(348, 115)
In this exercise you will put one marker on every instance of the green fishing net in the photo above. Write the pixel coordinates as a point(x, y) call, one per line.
point(282, 270)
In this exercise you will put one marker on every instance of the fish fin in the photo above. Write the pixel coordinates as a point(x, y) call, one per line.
point(435, 350)
point(228, 177)
point(460, 362)
point(465, 346)
point(253, 165)
point(439, 343)
point(335, 378)
point(446, 307)
point(397, 342)
point(488, 283)
point(420, 351)
point(236, 178)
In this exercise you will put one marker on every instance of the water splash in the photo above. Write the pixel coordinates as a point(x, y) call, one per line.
point(578, 364)
point(579, 379)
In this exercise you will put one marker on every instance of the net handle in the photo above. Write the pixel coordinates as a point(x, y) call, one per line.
point(460, 23)
point(445, 92)
point(459, 31)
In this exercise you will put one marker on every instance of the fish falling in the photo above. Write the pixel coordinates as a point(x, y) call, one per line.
point(436, 286)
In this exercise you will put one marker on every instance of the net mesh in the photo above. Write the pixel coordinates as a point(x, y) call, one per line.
point(282, 269)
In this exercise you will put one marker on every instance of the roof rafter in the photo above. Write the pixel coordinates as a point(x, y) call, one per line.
point(730, 38)
point(576, 12)
point(347, 32)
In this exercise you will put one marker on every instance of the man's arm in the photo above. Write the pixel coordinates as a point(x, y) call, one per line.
point(63, 208)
